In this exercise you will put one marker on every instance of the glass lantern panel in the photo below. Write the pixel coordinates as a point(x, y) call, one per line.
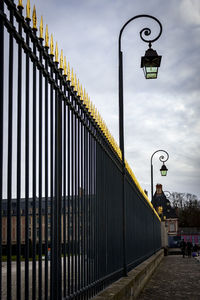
point(151, 75)
point(163, 172)
point(151, 69)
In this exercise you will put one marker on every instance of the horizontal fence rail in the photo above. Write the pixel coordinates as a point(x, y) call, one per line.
point(61, 220)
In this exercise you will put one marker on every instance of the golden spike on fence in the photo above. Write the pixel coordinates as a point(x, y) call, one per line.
point(75, 84)
point(46, 37)
point(61, 60)
point(92, 110)
point(87, 101)
point(78, 89)
point(72, 78)
point(34, 18)
point(51, 46)
point(56, 53)
point(99, 121)
point(89, 105)
point(84, 97)
point(68, 72)
point(81, 93)
point(28, 10)
point(65, 66)
point(96, 112)
point(41, 28)
point(20, 4)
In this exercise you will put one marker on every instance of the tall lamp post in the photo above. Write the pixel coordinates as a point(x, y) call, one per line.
point(163, 169)
point(150, 62)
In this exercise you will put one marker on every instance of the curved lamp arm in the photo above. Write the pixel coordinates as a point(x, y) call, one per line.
point(162, 158)
point(146, 31)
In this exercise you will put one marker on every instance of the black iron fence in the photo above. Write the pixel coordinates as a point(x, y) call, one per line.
point(61, 221)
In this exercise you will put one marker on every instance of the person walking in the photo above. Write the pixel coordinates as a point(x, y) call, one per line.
point(189, 249)
point(183, 247)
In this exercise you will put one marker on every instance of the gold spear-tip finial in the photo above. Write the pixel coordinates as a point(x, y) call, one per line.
point(28, 10)
point(61, 60)
point(78, 89)
point(41, 28)
point(89, 105)
point(65, 66)
point(34, 17)
point(20, 4)
point(75, 84)
point(56, 53)
point(51, 46)
point(46, 37)
point(92, 112)
point(81, 93)
point(72, 78)
point(68, 72)
point(84, 97)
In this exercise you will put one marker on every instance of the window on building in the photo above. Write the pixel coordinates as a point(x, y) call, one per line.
point(171, 227)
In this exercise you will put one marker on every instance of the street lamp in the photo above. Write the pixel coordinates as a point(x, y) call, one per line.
point(150, 62)
point(163, 169)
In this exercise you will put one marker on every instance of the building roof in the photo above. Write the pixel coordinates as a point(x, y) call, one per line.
point(162, 205)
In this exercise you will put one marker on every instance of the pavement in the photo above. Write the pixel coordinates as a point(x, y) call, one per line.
point(176, 278)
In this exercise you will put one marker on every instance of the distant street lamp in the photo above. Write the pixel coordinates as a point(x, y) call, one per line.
point(150, 63)
point(163, 169)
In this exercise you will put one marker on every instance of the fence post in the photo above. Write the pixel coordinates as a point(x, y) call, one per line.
point(1, 127)
point(58, 198)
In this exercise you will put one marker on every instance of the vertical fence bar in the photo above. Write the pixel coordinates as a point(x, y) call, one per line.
point(1, 130)
point(34, 177)
point(86, 205)
point(19, 114)
point(75, 195)
point(9, 178)
point(64, 194)
point(26, 273)
point(79, 198)
point(85, 209)
point(40, 179)
point(89, 213)
point(52, 182)
point(72, 200)
point(47, 202)
point(55, 215)
point(82, 200)
point(58, 193)
point(68, 194)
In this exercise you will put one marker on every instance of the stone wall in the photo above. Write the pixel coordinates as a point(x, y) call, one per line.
point(128, 288)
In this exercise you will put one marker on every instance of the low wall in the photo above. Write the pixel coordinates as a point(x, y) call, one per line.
point(128, 288)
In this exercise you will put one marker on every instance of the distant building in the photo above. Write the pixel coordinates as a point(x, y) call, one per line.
point(73, 211)
point(190, 234)
point(166, 212)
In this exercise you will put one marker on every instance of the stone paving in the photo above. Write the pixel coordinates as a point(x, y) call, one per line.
point(175, 278)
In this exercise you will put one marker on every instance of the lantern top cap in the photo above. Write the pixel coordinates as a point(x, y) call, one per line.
point(151, 52)
point(163, 168)
point(150, 59)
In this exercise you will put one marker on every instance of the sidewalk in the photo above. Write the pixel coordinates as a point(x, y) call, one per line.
point(175, 278)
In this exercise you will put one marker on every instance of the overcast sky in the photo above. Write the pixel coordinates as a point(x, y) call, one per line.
point(158, 114)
